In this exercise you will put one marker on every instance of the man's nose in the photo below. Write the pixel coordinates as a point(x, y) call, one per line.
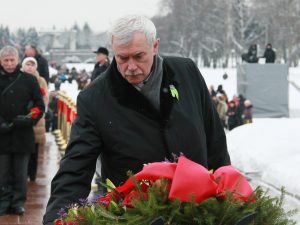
point(131, 65)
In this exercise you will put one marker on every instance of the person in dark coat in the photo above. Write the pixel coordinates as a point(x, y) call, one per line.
point(252, 54)
point(52, 107)
point(19, 94)
point(100, 67)
point(269, 54)
point(102, 62)
point(144, 108)
point(43, 67)
point(247, 115)
point(233, 120)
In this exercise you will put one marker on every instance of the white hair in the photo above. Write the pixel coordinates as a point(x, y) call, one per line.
point(9, 50)
point(124, 28)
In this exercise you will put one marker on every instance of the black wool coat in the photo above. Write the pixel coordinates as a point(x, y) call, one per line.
point(18, 93)
point(119, 123)
point(43, 67)
point(98, 69)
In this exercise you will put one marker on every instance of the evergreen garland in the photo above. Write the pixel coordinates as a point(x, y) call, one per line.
point(213, 211)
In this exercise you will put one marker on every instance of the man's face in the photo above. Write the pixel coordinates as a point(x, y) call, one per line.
point(135, 59)
point(29, 51)
point(9, 62)
point(100, 57)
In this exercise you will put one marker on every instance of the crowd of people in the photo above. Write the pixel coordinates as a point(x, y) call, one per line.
point(234, 112)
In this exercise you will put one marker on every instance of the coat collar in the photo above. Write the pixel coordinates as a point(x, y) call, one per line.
point(128, 96)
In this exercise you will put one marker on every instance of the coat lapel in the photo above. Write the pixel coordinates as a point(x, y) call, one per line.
point(128, 96)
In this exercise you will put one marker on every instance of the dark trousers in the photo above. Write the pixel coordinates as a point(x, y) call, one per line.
point(33, 163)
point(13, 180)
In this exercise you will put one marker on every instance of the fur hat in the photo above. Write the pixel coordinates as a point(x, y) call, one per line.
point(29, 59)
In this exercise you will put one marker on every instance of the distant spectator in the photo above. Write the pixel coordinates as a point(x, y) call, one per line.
point(212, 91)
point(43, 67)
point(102, 62)
point(52, 122)
point(72, 75)
point(241, 108)
point(247, 111)
point(269, 54)
point(233, 119)
point(251, 56)
point(82, 79)
point(57, 83)
point(221, 106)
point(221, 91)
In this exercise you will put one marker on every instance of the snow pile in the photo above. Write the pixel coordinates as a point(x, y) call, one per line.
point(269, 147)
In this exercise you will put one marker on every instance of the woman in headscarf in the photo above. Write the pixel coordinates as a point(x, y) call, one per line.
point(29, 65)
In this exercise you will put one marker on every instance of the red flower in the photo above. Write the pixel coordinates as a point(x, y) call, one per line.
point(34, 112)
point(43, 91)
point(60, 222)
point(134, 195)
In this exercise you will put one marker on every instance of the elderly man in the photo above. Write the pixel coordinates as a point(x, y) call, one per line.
point(21, 106)
point(144, 108)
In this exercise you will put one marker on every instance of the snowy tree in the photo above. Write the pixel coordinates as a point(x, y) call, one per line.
point(281, 19)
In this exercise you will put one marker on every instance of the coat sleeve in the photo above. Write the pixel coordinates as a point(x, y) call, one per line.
point(43, 84)
point(77, 167)
point(37, 99)
point(217, 154)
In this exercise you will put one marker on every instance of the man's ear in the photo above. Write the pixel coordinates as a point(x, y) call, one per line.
point(155, 46)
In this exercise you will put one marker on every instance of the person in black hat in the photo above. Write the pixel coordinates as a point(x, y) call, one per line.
point(102, 62)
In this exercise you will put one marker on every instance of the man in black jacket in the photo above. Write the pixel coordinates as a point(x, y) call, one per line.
point(143, 109)
point(21, 106)
point(43, 67)
point(102, 62)
point(269, 54)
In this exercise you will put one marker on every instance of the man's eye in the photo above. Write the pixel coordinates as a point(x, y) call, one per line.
point(123, 58)
point(140, 56)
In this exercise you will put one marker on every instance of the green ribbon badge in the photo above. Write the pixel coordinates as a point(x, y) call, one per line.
point(174, 92)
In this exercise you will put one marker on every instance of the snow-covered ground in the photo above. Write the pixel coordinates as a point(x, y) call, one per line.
point(268, 150)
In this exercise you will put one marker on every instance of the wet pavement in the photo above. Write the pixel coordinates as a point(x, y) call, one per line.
point(38, 191)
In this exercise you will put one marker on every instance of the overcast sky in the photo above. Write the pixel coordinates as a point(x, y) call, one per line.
point(44, 14)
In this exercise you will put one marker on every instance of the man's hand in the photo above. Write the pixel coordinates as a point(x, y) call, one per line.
point(22, 121)
point(4, 127)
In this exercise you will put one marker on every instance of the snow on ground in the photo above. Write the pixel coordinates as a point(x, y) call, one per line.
point(270, 147)
point(268, 150)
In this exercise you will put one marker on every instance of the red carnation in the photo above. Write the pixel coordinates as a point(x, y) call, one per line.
point(35, 112)
point(43, 91)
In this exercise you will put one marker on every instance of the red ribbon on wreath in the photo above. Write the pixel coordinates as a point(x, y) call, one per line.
point(188, 179)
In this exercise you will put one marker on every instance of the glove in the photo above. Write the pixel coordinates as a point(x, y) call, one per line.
point(4, 127)
point(22, 121)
